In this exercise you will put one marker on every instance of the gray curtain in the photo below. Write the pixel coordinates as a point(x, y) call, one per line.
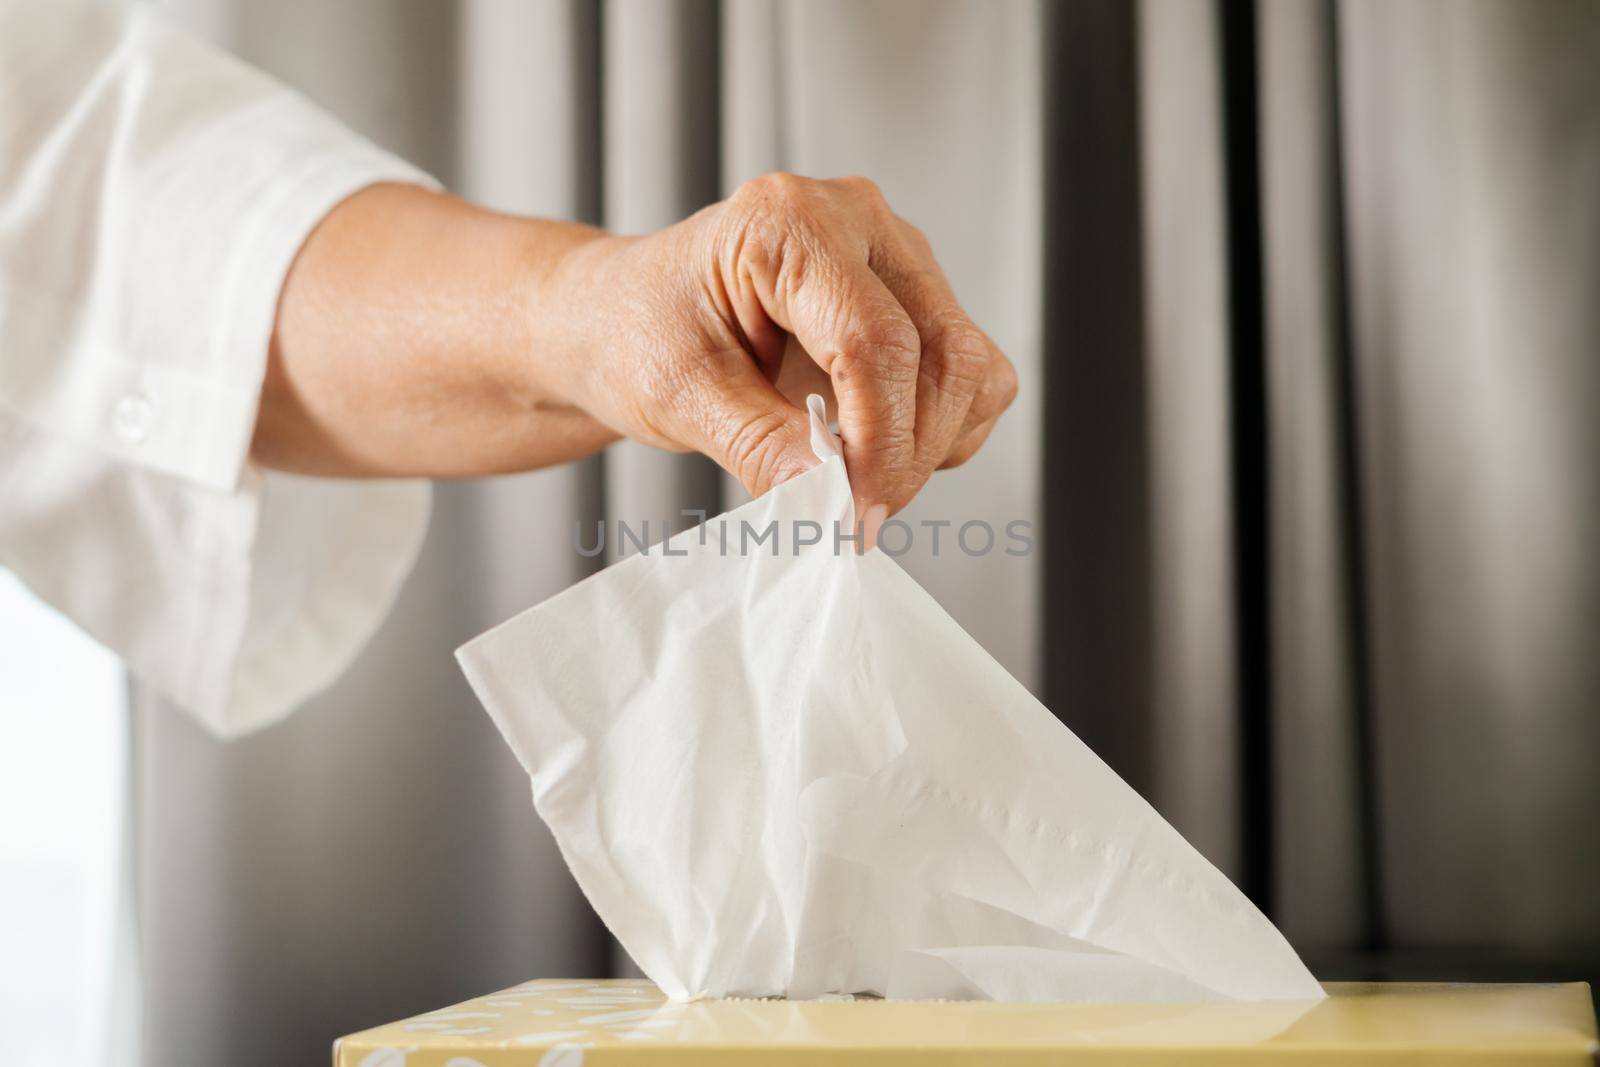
point(1302, 300)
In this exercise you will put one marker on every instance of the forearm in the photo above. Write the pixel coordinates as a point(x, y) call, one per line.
point(406, 343)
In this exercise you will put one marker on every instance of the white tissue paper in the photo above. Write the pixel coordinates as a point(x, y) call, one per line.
point(786, 771)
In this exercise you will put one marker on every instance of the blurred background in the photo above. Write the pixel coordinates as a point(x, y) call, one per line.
point(1303, 299)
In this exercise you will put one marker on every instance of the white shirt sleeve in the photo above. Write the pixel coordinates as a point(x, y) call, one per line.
point(153, 193)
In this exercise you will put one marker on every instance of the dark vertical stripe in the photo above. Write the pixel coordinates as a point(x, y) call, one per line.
point(589, 97)
point(1249, 444)
point(1352, 519)
point(702, 64)
point(717, 64)
point(698, 71)
point(1095, 506)
point(589, 157)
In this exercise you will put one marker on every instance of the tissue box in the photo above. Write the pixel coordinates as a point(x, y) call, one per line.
point(587, 1023)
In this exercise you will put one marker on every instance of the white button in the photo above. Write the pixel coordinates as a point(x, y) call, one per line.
point(130, 418)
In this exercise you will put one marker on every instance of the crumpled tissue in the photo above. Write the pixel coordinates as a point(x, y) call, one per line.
point(778, 768)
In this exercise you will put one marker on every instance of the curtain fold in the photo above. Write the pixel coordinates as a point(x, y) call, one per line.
point(660, 127)
point(1472, 164)
point(1097, 598)
point(1324, 882)
point(1195, 729)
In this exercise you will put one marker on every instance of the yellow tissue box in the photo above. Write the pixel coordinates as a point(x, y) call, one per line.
point(560, 1023)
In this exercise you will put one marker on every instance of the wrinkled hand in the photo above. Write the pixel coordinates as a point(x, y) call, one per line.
point(685, 339)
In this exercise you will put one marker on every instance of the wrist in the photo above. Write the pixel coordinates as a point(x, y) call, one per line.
point(559, 296)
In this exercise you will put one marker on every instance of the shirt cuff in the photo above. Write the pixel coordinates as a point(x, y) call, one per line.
point(200, 427)
point(235, 605)
point(301, 594)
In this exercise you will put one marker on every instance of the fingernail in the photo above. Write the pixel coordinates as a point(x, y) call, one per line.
point(871, 523)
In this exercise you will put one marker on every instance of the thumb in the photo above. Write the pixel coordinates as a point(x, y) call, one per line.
point(747, 427)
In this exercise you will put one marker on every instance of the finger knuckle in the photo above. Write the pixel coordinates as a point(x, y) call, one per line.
point(967, 353)
point(868, 201)
point(1005, 383)
point(779, 188)
point(914, 237)
point(778, 221)
point(885, 349)
point(859, 185)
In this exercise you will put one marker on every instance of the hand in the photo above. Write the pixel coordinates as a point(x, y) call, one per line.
point(685, 338)
point(417, 334)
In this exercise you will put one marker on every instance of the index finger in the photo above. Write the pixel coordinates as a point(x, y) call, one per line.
point(818, 285)
point(868, 346)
